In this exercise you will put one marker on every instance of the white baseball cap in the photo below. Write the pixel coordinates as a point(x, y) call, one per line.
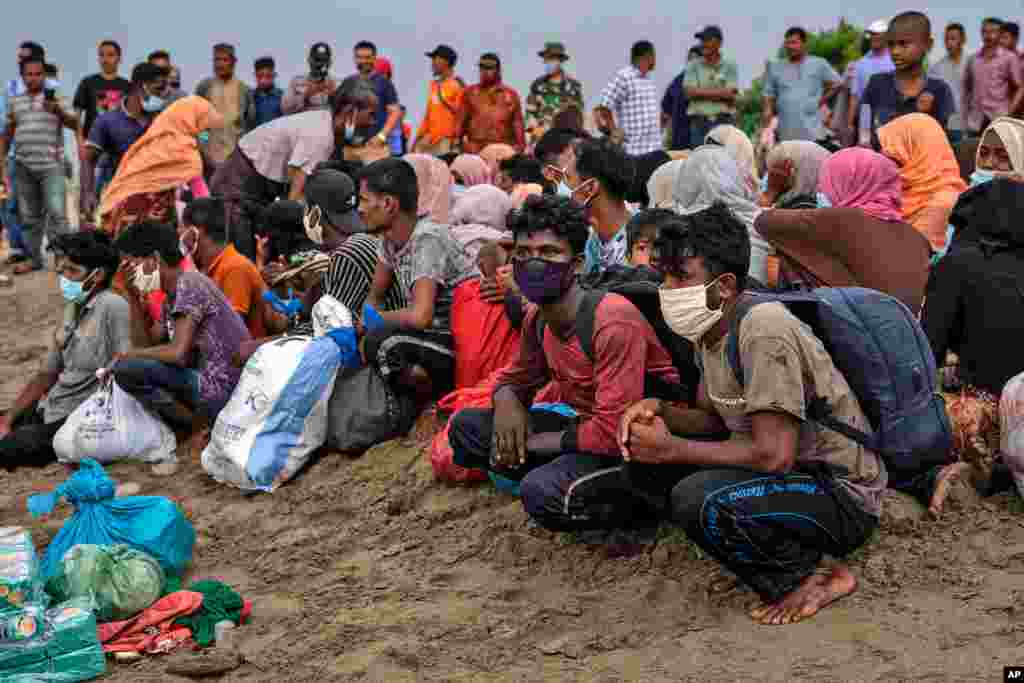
point(880, 26)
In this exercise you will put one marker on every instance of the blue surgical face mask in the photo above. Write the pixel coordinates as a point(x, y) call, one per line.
point(563, 189)
point(153, 104)
point(350, 131)
point(551, 67)
point(203, 137)
point(981, 176)
point(823, 201)
point(73, 292)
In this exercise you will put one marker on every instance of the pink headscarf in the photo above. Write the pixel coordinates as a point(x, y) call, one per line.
point(434, 181)
point(858, 178)
point(472, 169)
point(495, 154)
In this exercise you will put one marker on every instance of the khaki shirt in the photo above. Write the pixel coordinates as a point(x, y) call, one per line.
point(785, 367)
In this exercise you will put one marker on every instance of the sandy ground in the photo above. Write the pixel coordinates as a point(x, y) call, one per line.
point(367, 570)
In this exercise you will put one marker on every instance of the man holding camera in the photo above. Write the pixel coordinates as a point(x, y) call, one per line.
point(314, 91)
point(35, 125)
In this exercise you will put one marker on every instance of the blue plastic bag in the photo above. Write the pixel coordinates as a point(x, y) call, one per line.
point(152, 524)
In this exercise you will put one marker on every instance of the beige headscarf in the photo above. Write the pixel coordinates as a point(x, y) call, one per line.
point(1011, 132)
point(661, 182)
point(807, 158)
point(434, 181)
point(738, 145)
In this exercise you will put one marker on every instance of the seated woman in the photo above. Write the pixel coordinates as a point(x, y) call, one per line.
point(975, 310)
point(660, 184)
point(792, 180)
point(96, 329)
point(434, 180)
point(468, 170)
point(1000, 151)
point(183, 368)
point(930, 173)
point(861, 242)
point(739, 147)
point(710, 175)
point(479, 217)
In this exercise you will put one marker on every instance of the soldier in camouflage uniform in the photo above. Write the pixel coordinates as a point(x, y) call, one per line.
point(552, 93)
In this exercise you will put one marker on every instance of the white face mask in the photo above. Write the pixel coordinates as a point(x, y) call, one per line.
point(146, 283)
point(686, 311)
point(311, 221)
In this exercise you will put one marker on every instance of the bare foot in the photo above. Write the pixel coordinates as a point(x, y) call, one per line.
point(949, 475)
point(815, 593)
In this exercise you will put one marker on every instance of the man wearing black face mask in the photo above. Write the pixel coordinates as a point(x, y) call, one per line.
point(570, 468)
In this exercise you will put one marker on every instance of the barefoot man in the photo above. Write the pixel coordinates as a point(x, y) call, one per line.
point(781, 492)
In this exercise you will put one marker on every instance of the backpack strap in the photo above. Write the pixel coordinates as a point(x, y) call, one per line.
point(586, 319)
point(584, 322)
point(818, 410)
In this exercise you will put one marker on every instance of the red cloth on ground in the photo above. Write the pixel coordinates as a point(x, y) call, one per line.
point(485, 340)
point(133, 635)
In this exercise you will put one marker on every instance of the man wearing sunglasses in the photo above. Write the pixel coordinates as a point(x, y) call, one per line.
point(491, 111)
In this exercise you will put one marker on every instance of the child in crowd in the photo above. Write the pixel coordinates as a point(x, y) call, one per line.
point(641, 233)
point(908, 89)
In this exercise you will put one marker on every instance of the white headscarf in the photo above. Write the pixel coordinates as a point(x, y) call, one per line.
point(807, 158)
point(659, 186)
point(1011, 132)
point(711, 175)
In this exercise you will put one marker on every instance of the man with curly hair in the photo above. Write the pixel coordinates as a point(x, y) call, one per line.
point(570, 468)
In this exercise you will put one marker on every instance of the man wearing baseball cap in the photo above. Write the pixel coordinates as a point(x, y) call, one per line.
point(438, 130)
point(711, 85)
point(491, 111)
point(877, 61)
point(552, 93)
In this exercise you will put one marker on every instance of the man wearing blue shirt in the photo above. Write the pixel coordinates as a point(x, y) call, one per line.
point(266, 97)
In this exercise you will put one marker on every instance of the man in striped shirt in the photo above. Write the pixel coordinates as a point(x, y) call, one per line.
point(35, 125)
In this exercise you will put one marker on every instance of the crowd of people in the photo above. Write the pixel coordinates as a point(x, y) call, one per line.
point(599, 288)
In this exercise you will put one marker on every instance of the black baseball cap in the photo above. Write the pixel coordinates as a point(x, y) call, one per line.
point(144, 72)
point(335, 194)
point(445, 52)
point(710, 32)
point(320, 51)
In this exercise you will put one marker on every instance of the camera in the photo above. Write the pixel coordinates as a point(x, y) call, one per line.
point(319, 62)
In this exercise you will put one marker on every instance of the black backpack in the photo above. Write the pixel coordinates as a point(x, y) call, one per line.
point(640, 287)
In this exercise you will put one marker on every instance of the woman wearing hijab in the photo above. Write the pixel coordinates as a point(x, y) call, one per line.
point(494, 155)
point(930, 173)
point(434, 180)
point(660, 185)
point(861, 241)
point(793, 169)
point(164, 159)
point(1000, 151)
point(975, 310)
point(739, 147)
point(470, 170)
point(479, 217)
point(710, 175)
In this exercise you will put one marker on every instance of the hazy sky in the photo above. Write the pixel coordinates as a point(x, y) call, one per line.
point(597, 34)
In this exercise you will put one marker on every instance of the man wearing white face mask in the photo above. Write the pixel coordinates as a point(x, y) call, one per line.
point(781, 492)
point(180, 367)
point(552, 93)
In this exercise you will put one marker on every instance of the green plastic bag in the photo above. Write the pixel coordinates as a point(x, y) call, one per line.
point(121, 581)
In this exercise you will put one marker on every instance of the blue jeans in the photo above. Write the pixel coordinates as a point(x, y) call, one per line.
point(42, 203)
point(158, 386)
point(770, 530)
point(10, 214)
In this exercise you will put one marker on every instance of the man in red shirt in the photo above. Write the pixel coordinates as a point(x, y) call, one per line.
point(571, 468)
point(491, 111)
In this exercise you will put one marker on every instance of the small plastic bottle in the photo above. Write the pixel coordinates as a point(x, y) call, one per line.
point(224, 634)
